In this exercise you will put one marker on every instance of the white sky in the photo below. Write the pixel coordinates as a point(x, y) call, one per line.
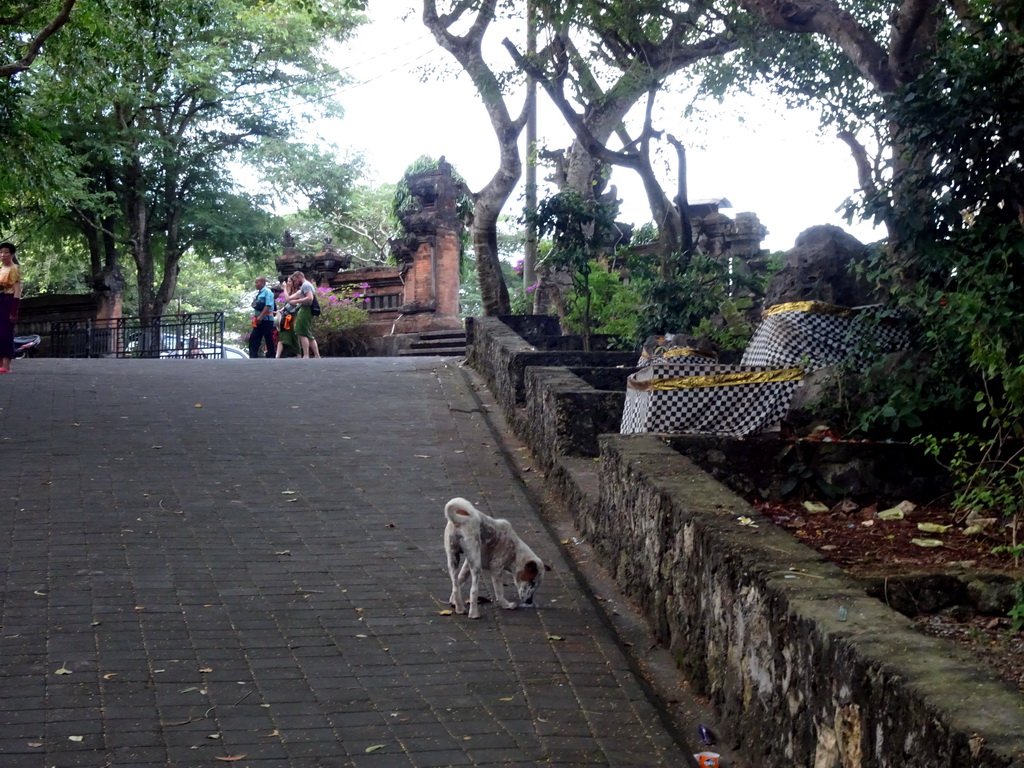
point(772, 163)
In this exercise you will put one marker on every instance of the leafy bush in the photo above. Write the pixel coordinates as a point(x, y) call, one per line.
point(614, 305)
point(955, 262)
point(579, 228)
point(699, 297)
point(341, 327)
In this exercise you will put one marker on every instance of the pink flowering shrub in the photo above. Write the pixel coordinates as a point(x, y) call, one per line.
point(343, 316)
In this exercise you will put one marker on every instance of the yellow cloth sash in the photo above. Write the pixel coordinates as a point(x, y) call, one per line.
point(718, 380)
point(816, 307)
point(686, 351)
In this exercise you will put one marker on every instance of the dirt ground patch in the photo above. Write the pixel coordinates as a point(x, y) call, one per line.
point(864, 545)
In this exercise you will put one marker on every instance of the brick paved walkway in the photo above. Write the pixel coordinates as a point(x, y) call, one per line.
point(240, 562)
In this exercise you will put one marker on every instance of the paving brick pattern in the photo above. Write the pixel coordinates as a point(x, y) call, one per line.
point(213, 560)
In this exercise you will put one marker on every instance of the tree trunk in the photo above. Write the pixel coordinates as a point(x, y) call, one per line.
point(490, 200)
point(530, 246)
point(137, 216)
point(487, 206)
point(173, 250)
point(484, 235)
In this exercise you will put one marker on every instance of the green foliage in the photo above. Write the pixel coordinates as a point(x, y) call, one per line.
point(697, 297)
point(520, 296)
point(961, 266)
point(956, 266)
point(578, 228)
point(146, 109)
point(221, 285)
point(966, 318)
point(987, 468)
point(470, 303)
point(319, 179)
point(404, 200)
point(730, 329)
point(235, 227)
point(621, 50)
point(700, 296)
point(803, 70)
point(55, 265)
point(966, 113)
point(988, 473)
point(362, 225)
point(880, 397)
point(343, 316)
point(613, 304)
point(1016, 613)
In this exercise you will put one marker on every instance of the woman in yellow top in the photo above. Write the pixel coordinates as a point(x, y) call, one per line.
point(10, 299)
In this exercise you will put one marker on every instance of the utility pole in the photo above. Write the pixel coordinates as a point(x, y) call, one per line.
point(530, 251)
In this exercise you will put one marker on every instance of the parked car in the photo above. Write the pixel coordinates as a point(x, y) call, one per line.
point(234, 353)
point(174, 346)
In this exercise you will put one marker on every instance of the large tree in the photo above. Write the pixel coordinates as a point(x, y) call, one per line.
point(926, 93)
point(492, 86)
point(597, 62)
point(152, 102)
point(601, 60)
point(861, 63)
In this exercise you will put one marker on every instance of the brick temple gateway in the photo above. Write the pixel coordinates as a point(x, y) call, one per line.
point(420, 293)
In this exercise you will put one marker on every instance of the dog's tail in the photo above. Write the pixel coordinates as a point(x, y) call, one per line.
point(459, 510)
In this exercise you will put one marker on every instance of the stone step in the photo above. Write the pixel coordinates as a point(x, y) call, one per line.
point(445, 343)
point(435, 343)
point(437, 335)
point(456, 351)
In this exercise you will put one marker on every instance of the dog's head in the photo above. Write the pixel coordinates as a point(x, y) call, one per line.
point(528, 579)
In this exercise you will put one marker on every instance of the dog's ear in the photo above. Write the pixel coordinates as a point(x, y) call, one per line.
point(530, 571)
point(462, 512)
point(547, 567)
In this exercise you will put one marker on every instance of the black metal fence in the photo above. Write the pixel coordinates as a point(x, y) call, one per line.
point(187, 336)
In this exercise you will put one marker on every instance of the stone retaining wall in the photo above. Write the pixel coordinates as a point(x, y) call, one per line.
point(802, 666)
point(564, 416)
point(753, 620)
point(502, 357)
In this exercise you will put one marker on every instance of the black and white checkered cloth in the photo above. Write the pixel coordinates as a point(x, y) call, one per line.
point(815, 335)
point(676, 391)
point(707, 398)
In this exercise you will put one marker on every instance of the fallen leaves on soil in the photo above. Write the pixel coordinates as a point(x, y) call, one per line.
point(861, 542)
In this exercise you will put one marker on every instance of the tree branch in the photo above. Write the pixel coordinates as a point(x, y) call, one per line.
point(575, 121)
point(865, 176)
point(359, 232)
point(32, 51)
point(825, 17)
point(913, 31)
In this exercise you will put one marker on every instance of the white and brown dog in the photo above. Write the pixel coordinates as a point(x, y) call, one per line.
point(482, 542)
